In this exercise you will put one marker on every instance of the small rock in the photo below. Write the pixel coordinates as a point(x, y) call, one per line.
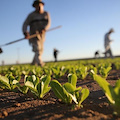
point(5, 113)
point(0, 115)
point(17, 104)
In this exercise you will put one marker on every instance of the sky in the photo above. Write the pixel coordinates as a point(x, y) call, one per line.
point(84, 24)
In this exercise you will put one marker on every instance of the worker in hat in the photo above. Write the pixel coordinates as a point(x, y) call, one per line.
point(1, 50)
point(38, 21)
point(107, 43)
point(55, 54)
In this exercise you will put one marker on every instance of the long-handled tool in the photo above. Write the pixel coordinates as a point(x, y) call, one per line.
point(31, 36)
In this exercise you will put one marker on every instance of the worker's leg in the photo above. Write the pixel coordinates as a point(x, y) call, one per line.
point(106, 51)
point(110, 53)
point(34, 62)
point(106, 54)
point(40, 44)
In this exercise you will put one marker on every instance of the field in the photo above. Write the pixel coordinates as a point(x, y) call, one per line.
point(14, 105)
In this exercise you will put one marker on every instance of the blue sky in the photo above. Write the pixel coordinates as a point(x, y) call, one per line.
point(84, 24)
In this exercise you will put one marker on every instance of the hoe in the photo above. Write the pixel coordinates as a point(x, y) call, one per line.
point(32, 36)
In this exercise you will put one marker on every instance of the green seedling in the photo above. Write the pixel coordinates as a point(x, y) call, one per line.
point(56, 72)
point(60, 92)
point(68, 92)
point(47, 71)
point(63, 70)
point(117, 65)
point(104, 69)
point(9, 82)
point(40, 89)
point(81, 94)
point(82, 72)
point(93, 69)
point(112, 93)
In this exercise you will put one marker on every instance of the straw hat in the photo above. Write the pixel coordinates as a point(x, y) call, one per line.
point(37, 2)
point(111, 30)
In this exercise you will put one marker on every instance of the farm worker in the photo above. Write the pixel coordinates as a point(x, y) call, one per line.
point(55, 53)
point(38, 21)
point(97, 54)
point(107, 42)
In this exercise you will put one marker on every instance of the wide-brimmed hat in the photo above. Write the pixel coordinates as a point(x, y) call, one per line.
point(37, 2)
point(111, 30)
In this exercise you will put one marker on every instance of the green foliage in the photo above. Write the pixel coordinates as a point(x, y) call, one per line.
point(117, 65)
point(4, 82)
point(60, 92)
point(47, 71)
point(104, 69)
point(81, 72)
point(68, 92)
point(43, 87)
point(93, 69)
point(72, 78)
point(81, 96)
point(63, 70)
point(112, 93)
point(8, 82)
point(58, 71)
point(79, 93)
point(39, 89)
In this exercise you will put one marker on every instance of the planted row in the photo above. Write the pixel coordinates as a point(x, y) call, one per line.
point(67, 92)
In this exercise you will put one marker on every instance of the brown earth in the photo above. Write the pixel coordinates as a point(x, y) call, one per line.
point(16, 106)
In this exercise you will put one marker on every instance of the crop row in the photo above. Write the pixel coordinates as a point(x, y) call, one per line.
point(39, 81)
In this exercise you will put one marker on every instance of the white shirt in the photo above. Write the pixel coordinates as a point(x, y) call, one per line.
point(107, 41)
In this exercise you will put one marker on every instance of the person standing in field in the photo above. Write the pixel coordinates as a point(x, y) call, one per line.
point(97, 54)
point(38, 21)
point(107, 43)
point(55, 53)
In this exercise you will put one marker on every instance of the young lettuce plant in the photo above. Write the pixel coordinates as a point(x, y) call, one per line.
point(104, 69)
point(56, 72)
point(4, 83)
point(68, 91)
point(37, 71)
point(60, 92)
point(117, 65)
point(81, 94)
point(10, 82)
point(39, 89)
point(93, 69)
point(47, 71)
point(112, 93)
point(82, 72)
point(63, 70)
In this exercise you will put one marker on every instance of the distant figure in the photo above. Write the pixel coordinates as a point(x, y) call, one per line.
point(108, 52)
point(55, 53)
point(3, 63)
point(37, 21)
point(1, 50)
point(97, 54)
point(17, 62)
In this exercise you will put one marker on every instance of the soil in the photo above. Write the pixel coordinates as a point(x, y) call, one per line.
point(17, 106)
